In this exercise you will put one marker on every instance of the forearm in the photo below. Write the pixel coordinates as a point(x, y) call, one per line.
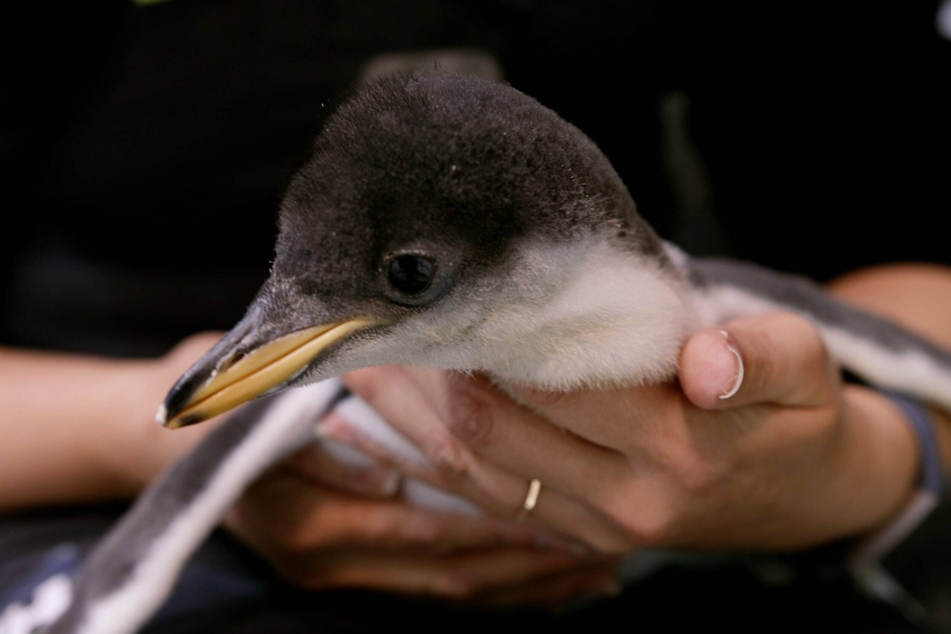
point(79, 428)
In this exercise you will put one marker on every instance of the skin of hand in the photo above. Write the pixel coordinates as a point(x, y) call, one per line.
point(317, 537)
point(780, 456)
point(80, 428)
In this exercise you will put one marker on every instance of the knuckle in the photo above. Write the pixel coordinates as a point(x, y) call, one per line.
point(700, 478)
point(648, 527)
point(692, 471)
point(470, 420)
point(446, 454)
point(654, 529)
point(650, 522)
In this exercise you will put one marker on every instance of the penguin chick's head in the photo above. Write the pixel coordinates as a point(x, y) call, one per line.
point(453, 222)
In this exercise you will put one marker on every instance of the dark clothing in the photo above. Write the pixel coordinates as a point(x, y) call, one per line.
point(144, 156)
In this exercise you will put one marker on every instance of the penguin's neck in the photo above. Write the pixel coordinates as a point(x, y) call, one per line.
point(566, 316)
point(613, 318)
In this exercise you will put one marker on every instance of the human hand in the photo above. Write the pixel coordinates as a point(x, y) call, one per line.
point(790, 460)
point(323, 522)
point(317, 536)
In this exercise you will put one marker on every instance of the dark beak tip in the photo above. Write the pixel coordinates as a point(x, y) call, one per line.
point(178, 397)
point(173, 421)
point(175, 402)
point(203, 370)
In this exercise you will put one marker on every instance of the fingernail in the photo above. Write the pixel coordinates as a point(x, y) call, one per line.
point(738, 380)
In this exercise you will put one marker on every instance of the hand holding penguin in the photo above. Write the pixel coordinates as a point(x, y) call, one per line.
point(759, 446)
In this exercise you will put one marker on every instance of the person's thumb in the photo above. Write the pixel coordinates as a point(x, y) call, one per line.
point(777, 358)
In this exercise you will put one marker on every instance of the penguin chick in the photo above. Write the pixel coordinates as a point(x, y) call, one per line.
point(452, 222)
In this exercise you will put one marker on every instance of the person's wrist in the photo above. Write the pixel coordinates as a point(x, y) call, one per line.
point(928, 486)
point(147, 448)
point(887, 564)
point(881, 462)
point(120, 444)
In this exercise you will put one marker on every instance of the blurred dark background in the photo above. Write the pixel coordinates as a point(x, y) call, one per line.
point(144, 148)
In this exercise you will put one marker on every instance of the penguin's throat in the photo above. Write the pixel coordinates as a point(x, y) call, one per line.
point(565, 320)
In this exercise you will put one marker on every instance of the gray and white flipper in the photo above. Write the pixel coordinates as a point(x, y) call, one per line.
point(132, 571)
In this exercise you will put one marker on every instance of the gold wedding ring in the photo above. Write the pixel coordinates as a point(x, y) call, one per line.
point(531, 499)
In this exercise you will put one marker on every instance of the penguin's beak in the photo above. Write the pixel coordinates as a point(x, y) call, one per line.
point(246, 364)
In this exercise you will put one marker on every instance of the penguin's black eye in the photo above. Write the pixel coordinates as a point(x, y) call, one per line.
point(410, 274)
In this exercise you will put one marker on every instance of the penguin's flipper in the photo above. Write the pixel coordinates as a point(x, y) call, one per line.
point(874, 349)
point(132, 571)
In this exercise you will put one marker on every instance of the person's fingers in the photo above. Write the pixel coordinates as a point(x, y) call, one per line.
point(570, 468)
point(393, 397)
point(654, 456)
point(317, 464)
point(486, 482)
point(317, 538)
point(774, 358)
point(393, 422)
point(523, 442)
point(622, 419)
point(462, 576)
point(502, 494)
point(396, 397)
point(283, 514)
